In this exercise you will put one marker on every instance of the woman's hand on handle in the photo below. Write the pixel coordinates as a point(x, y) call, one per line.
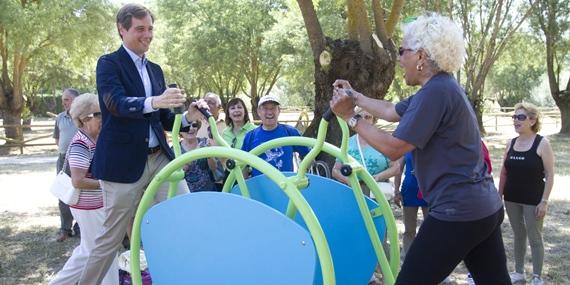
point(342, 104)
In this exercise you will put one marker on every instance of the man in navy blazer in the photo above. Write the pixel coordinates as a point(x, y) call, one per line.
point(131, 148)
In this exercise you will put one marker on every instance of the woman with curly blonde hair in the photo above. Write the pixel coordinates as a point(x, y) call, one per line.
point(526, 181)
point(439, 125)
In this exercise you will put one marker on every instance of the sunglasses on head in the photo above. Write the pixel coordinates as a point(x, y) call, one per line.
point(519, 117)
point(401, 50)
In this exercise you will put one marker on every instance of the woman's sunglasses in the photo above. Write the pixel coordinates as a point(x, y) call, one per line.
point(402, 50)
point(91, 116)
point(519, 117)
point(96, 114)
point(195, 125)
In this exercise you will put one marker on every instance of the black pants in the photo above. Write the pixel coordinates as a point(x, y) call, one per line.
point(440, 246)
point(65, 217)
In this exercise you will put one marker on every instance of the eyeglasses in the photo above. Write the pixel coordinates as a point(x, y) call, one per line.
point(195, 125)
point(96, 114)
point(92, 115)
point(519, 117)
point(401, 50)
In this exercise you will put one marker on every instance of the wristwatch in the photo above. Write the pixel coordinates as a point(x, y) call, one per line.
point(354, 120)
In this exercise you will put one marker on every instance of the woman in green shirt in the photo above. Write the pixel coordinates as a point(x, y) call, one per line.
point(237, 121)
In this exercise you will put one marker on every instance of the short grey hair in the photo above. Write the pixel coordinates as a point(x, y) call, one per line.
point(71, 91)
point(440, 38)
point(215, 96)
point(83, 106)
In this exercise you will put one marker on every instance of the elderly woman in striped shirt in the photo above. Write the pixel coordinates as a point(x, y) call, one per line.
point(88, 211)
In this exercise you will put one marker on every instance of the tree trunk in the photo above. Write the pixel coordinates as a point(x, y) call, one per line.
point(13, 132)
point(563, 103)
point(27, 123)
point(477, 102)
point(368, 74)
point(565, 118)
point(254, 102)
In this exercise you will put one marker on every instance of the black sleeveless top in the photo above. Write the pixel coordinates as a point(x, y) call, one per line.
point(525, 175)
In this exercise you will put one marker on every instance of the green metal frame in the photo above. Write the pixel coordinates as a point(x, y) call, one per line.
point(358, 171)
point(291, 186)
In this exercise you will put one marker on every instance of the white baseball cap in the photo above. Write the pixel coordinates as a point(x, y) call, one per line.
point(268, 98)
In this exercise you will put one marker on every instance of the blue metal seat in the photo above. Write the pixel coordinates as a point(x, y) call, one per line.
point(336, 209)
point(220, 238)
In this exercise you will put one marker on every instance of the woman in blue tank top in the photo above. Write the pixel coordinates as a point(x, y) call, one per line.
point(526, 181)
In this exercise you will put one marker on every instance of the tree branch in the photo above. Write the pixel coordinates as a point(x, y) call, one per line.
point(357, 13)
point(380, 26)
point(314, 30)
point(394, 17)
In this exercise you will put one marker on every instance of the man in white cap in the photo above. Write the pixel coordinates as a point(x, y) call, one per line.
point(268, 110)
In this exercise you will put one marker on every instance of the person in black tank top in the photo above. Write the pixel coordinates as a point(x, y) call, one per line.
point(525, 170)
point(526, 182)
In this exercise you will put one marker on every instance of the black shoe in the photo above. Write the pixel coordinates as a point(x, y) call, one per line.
point(126, 243)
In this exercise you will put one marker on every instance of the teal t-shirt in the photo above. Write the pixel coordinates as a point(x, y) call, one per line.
point(374, 160)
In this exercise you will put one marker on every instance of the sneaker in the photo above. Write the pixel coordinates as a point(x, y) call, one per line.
point(517, 277)
point(536, 280)
point(470, 280)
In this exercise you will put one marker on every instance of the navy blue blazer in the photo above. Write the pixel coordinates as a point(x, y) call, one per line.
point(122, 146)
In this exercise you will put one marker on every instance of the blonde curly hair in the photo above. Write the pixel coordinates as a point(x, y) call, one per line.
point(440, 38)
point(83, 106)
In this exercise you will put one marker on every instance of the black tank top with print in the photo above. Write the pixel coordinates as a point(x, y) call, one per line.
point(525, 175)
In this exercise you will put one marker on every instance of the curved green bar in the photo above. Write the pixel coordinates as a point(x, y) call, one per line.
point(301, 179)
point(178, 175)
point(306, 162)
point(394, 262)
point(288, 187)
point(216, 134)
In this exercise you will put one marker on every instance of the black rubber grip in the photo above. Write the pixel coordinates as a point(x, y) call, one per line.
point(328, 115)
point(205, 112)
point(176, 110)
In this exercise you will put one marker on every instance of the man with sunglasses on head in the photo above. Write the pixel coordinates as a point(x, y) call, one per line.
point(131, 148)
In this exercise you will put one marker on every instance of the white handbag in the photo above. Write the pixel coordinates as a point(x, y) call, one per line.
point(62, 188)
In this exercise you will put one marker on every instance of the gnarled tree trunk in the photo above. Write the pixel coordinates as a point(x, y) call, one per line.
point(367, 61)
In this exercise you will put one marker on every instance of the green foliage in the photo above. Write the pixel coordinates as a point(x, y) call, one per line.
point(50, 45)
point(511, 79)
point(223, 46)
point(298, 77)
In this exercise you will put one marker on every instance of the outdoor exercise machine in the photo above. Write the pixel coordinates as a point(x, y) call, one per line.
point(275, 228)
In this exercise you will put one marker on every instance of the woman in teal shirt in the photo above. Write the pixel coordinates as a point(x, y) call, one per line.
point(237, 121)
point(378, 165)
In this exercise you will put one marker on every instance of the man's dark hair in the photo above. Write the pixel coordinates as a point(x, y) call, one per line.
point(127, 12)
point(71, 91)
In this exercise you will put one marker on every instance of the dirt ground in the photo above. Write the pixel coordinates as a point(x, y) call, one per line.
point(29, 217)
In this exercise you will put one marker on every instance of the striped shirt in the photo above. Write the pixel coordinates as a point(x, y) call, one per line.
point(81, 152)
